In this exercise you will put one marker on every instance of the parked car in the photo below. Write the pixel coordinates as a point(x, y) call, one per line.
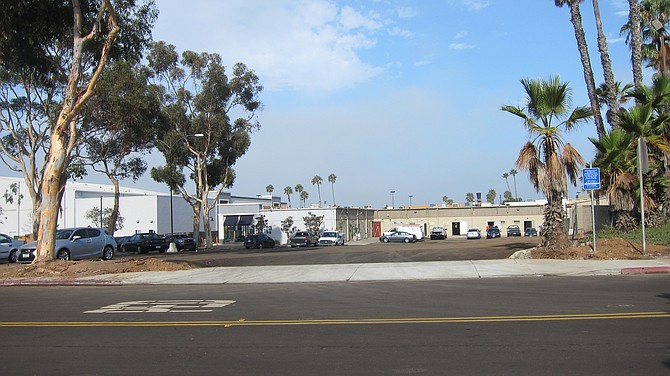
point(474, 233)
point(182, 242)
point(493, 232)
point(398, 236)
point(513, 230)
point(438, 232)
point(120, 240)
point(9, 247)
point(258, 241)
point(303, 239)
point(144, 242)
point(415, 229)
point(530, 231)
point(331, 238)
point(75, 244)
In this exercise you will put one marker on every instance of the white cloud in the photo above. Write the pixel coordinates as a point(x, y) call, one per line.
point(292, 45)
point(461, 34)
point(398, 32)
point(476, 5)
point(460, 46)
point(407, 12)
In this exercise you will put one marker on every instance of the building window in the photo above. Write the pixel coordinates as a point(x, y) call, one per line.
point(223, 202)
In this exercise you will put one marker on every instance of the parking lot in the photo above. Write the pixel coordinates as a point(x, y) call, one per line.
point(364, 251)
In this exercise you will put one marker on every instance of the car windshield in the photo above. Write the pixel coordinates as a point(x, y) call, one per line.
point(63, 234)
point(330, 234)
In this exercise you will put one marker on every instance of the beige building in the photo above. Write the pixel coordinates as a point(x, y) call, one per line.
point(457, 220)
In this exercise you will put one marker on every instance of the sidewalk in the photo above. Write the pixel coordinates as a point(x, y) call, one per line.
point(436, 270)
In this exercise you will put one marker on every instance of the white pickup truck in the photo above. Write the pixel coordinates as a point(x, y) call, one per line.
point(438, 232)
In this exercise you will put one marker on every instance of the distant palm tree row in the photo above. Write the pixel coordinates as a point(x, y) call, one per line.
point(302, 193)
point(552, 162)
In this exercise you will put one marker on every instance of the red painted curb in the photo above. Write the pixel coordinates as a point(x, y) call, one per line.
point(646, 270)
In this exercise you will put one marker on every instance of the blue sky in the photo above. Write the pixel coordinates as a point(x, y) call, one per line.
point(391, 94)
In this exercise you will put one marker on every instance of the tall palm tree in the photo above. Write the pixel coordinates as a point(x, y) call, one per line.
point(298, 189)
point(288, 191)
point(304, 195)
point(635, 26)
point(513, 172)
point(269, 189)
point(576, 19)
point(550, 161)
point(331, 180)
point(610, 83)
point(505, 176)
point(445, 199)
point(317, 180)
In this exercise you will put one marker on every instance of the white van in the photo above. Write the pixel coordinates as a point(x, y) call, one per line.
point(417, 230)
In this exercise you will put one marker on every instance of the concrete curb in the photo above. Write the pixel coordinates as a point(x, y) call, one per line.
point(646, 270)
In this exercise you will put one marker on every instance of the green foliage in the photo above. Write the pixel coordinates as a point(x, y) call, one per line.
point(262, 225)
point(313, 223)
point(287, 227)
point(655, 235)
point(491, 196)
point(93, 215)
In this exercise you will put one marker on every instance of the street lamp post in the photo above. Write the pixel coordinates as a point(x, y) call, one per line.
point(393, 199)
point(410, 200)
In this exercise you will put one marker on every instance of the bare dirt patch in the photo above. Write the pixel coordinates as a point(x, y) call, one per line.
point(607, 249)
point(85, 268)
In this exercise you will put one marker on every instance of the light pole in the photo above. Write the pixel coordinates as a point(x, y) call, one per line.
point(410, 200)
point(393, 199)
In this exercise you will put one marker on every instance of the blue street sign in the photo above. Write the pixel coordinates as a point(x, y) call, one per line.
point(591, 178)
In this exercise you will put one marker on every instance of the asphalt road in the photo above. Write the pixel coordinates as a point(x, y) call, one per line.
point(452, 249)
point(616, 325)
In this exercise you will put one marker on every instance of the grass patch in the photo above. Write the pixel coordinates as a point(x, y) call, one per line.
point(656, 235)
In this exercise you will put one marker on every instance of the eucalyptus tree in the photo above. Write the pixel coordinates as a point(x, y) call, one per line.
point(52, 57)
point(576, 20)
point(550, 161)
point(200, 101)
point(288, 191)
point(331, 180)
point(121, 120)
point(317, 180)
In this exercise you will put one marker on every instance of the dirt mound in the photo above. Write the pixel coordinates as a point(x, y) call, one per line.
point(607, 249)
point(67, 269)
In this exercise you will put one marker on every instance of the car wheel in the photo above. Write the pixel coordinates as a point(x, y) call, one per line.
point(140, 250)
point(260, 245)
point(13, 256)
point(63, 254)
point(123, 248)
point(162, 250)
point(408, 240)
point(107, 253)
point(385, 240)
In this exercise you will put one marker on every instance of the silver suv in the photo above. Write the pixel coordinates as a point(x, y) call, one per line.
point(76, 243)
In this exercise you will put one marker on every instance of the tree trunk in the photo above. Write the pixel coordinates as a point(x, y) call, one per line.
point(114, 216)
point(610, 83)
point(52, 186)
point(553, 233)
point(576, 19)
point(635, 23)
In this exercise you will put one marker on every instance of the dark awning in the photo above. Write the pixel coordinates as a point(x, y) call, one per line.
point(231, 220)
point(245, 220)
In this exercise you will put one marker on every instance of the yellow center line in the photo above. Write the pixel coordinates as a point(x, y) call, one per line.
point(368, 321)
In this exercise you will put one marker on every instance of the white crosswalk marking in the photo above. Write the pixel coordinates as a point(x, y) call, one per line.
point(163, 306)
